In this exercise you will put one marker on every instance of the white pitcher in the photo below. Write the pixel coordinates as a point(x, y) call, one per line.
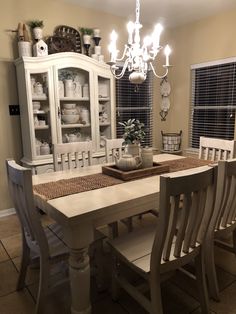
point(70, 88)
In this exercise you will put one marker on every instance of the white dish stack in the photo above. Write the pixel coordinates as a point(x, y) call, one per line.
point(70, 114)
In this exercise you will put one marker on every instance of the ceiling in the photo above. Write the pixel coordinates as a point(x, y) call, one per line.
point(170, 13)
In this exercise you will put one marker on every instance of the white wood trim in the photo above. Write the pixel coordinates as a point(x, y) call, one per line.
point(7, 212)
point(211, 63)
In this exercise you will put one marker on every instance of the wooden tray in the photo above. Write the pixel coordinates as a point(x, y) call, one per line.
point(113, 171)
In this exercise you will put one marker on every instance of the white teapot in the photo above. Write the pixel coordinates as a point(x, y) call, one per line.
point(128, 162)
point(70, 138)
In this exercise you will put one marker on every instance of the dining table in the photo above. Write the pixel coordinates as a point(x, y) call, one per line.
point(80, 213)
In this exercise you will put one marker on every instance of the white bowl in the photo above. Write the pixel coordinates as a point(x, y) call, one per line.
point(69, 111)
point(70, 118)
point(36, 105)
point(69, 106)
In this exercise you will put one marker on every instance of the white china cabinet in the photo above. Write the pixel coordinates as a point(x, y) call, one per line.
point(64, 97)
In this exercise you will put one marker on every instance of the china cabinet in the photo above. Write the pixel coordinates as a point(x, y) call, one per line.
point(64, 97)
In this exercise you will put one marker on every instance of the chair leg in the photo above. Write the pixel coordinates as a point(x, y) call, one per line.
point(156, 299)
point(211, 271)
point(234, 241)
point(25, 259)
point(201, 283)
point(115, 288)
point(43, 287)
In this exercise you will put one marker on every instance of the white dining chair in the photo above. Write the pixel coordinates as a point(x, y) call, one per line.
point(72, 155)
point(223, 226)
point(216, 149)
point(176, 240)
point(113, 147)
point(37, 241)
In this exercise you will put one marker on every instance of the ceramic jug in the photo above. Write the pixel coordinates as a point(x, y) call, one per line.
point(44, 149)
point(38, 89)
point(70, 88)
point(84, 114)
point(128, 162)
point(147, 157)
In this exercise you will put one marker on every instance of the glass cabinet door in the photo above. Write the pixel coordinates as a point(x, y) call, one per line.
point(104, 101)
point(41, 114)
point(74, 110)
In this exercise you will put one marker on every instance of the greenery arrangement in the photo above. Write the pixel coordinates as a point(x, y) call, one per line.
point(35, 23)
point(86, 31)
point(133, 131)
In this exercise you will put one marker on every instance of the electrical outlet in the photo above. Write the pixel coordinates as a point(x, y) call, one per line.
point(14, 110)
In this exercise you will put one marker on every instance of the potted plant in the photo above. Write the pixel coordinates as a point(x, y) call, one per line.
point(36, 26)
point(133, 135)
point(86, 32)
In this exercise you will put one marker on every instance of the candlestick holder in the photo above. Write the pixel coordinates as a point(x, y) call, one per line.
point(87, 46)
point(96, 40)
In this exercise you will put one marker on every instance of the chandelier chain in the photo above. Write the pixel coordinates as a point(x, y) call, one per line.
point(137, 11)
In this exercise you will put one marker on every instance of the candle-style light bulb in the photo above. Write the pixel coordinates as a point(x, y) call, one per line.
point(130, 28)
point(167, 52)
point(156, 35)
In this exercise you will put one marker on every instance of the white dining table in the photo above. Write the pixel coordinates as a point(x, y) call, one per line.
point(80, 213)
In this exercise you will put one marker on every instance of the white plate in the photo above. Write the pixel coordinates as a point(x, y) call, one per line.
point(165, 104)
point(165, 88)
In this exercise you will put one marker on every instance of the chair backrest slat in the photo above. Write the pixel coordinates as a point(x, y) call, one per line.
point(113, 147)
point(20, 185)
point(196, 187)
point(216, 149)
point(68, 155)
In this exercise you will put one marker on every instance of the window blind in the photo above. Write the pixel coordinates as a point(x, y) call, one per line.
point(135, 102)
point(213, 102)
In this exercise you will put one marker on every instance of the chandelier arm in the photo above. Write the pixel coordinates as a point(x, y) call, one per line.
point(121, 74)
point(158, 76)
point(124, 53)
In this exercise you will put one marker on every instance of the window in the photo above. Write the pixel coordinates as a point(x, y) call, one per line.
point(135, 101)
point(213, 101)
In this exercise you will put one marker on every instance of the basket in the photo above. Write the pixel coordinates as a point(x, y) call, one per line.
point(171, 142)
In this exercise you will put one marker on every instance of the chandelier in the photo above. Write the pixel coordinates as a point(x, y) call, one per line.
point(137, 58)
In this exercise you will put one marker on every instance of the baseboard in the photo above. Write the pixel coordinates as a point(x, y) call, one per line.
point(7, 212)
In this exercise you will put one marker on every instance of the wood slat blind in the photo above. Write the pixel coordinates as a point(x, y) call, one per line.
point(135, 101)
point(213, 102)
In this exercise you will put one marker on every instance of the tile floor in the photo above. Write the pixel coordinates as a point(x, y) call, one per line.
point(175, 299)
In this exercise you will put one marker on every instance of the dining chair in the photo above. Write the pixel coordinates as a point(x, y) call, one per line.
point(156, 251)
point(72, 155)
point(223, 226)
point(216, 149)
point(113, 147)
point(37, 242)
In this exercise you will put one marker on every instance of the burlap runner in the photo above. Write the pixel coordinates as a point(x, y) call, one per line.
point(65, 187)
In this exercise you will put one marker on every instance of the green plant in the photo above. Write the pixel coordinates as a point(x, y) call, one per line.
point(133, 131)
point(35, 23)
point(86, 31)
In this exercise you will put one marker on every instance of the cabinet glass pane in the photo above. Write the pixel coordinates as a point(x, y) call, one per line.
point(104, 109)
point(41, 114)
point(74, 105)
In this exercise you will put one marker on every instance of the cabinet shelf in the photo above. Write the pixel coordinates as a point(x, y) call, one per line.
point(104, 98)
point(41, 127)
point(39, 112)
point(74, 98)
point(75, 125)
point(36, 97)
point(105, 124)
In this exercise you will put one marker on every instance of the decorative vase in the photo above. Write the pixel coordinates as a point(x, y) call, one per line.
point(38, 33)
point(133, 149)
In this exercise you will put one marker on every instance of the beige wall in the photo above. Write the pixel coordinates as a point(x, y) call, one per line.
point(209, 39)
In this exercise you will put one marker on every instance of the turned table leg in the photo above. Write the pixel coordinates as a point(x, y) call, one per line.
point(80, 281)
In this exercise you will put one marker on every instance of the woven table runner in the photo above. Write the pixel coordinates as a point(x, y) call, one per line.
point(75, 185)
point(185, 163)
